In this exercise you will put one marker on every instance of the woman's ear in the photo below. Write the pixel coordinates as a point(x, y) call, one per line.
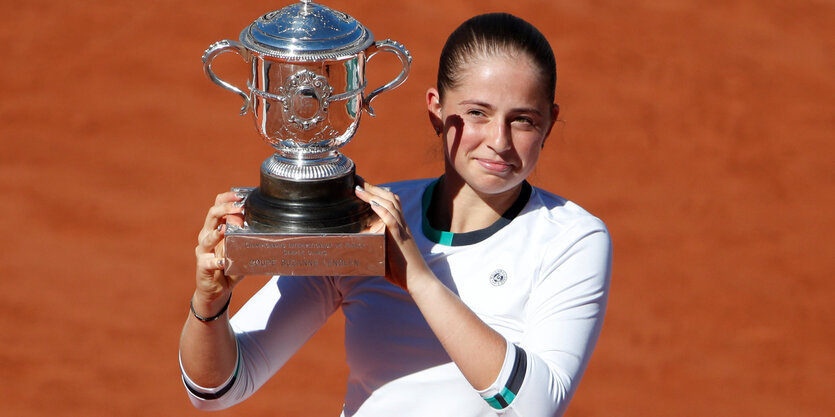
point(555, 112)
point(433, 107)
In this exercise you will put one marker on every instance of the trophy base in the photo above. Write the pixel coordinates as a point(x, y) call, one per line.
point(328, 254)
point(254, 251)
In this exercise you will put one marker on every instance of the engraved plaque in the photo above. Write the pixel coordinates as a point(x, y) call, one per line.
point(346, 254)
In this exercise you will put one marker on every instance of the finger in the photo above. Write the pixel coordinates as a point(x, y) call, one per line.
point(382, 195)
point(220, 249)
point(392, 214)
point(383, 213)
point(208, 263)
point(384, 192)
point(207, 240)
point(217, 212)
point(227, 197)
point(362, 194)
point(235, 219)
point(392, 221)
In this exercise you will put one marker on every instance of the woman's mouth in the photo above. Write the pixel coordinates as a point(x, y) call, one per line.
point(495, 165)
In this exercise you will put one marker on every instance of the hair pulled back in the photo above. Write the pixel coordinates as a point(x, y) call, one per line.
point(495, 34)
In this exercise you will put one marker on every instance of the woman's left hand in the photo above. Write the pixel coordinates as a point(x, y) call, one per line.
point(404, 263)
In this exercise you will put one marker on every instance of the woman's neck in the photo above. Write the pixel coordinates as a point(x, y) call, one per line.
point(460, 209)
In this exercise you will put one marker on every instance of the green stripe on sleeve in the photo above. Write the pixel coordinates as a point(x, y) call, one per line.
point(493, 403)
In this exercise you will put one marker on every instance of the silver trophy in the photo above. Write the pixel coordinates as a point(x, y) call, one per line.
point(307, 92)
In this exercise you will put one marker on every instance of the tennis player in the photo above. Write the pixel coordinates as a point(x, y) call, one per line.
point(496, 291)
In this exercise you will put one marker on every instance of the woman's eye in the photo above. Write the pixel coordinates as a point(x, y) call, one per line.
point(524, 120)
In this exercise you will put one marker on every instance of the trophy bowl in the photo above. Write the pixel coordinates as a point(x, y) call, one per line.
point(306, 91)
point(306, 88)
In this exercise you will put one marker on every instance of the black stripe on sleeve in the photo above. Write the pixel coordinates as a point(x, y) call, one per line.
point(214, 395)
point(499, 399)
point(210, 395)
point(503, 399)
point(517, 376)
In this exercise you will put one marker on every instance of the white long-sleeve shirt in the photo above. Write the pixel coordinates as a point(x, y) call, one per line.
point(539, 276)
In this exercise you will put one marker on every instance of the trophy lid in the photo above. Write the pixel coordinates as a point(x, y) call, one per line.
point(306, 31)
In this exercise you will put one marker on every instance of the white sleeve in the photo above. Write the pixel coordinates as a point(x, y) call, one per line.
point(564, 316)
point(269, 329)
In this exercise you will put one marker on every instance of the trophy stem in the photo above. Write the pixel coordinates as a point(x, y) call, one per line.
point(310, 168)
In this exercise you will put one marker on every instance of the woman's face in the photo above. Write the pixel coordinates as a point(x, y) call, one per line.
point(494, 122)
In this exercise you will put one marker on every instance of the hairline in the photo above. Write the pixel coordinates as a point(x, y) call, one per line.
point(484, 53)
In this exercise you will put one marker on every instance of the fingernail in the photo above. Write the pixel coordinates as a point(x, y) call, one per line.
point(242, 192)
point(375, 203)
point(219, 227)
point(238, 204)
point(360, 189)
point(220, 263)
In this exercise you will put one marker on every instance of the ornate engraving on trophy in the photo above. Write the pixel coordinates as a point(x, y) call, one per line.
point(308, 22)
point(305, 97)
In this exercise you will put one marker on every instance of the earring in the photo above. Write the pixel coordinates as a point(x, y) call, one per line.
point(437, 131)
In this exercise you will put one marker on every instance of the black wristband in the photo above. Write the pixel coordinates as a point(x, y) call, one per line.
point(213, 318)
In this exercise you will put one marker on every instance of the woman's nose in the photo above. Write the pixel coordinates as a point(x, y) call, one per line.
point(500, 139)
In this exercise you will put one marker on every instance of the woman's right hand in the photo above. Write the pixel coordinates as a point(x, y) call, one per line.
point(213, 287)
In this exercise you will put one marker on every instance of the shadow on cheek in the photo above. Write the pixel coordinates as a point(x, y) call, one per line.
point(455, 122)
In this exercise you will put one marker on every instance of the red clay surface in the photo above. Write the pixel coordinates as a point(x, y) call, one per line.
point(702, 132)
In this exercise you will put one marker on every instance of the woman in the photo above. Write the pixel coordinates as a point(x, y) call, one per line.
point(496, 290)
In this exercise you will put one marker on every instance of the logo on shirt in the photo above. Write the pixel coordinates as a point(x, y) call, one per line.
point(498, 277)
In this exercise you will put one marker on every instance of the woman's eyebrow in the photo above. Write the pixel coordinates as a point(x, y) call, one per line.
point(476, 102)
point(518, 110)
point(533, 110)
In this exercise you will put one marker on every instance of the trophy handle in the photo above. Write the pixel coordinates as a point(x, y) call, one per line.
point(398, 49)
point(216, 49)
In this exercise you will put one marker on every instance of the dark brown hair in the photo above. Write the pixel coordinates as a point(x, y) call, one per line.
point(495, 34)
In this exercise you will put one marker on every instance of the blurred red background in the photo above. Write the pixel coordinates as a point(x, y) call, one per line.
point(701, 132)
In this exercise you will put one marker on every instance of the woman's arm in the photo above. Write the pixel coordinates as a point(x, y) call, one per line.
point(208, 351)
point(564, 316)
point(476, 349)
point(225, 360)
point(269, 329)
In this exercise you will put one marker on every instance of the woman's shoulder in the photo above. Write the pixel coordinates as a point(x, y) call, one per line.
point(562, 212)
